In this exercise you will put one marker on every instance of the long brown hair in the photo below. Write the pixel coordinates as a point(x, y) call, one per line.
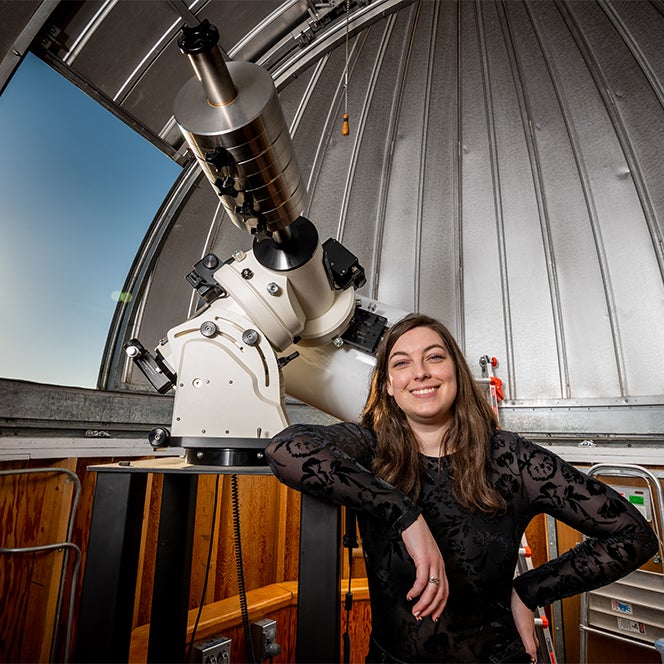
point(468, 436)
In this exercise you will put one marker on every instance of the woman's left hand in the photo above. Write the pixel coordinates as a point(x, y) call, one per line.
point(524, 619)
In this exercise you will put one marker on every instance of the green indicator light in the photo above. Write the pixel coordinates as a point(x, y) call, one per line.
point(637, 500)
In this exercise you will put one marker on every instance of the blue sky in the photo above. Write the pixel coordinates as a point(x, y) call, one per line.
point(79, 190)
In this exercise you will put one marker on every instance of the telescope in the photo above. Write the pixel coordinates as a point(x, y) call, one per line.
point(281, 318)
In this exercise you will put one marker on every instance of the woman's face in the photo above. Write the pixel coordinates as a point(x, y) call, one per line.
point(422, 377)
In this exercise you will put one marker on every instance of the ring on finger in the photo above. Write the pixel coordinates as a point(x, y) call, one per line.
point(435, 580)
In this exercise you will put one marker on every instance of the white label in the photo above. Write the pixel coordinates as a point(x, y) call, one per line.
point(631, 626)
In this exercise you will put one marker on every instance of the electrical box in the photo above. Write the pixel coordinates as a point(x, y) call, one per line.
point(264, 637)
point(216, 650)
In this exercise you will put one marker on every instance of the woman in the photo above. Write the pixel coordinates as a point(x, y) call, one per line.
point(443, 498)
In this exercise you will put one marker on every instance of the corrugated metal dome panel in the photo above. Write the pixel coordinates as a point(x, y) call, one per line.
point(503, 172)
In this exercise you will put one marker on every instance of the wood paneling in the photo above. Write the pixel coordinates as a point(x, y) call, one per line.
point(537, 539)
point(276, 601)
point(359, 630)
point(610, 651)
point(35, 510)
point(269, 529)
point(148, 552)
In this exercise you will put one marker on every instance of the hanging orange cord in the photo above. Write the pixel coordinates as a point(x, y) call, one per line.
point(345, 129)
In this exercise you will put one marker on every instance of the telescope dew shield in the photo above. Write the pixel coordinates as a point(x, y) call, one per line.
point(230, 116)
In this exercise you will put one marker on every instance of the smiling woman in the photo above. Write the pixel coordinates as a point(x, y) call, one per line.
point(443, 497)
point(79, 190)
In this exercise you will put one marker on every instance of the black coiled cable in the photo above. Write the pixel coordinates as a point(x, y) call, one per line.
point(249, 643)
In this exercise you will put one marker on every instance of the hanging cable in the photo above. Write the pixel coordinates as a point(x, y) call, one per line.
point(345, 128)
point(207, 570)
point(249, 643)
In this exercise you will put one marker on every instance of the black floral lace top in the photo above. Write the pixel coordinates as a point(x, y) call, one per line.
point(480, 551)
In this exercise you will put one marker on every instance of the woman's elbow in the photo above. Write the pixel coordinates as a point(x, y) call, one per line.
point(279, 457)
point(271, 449)
point(274, 458)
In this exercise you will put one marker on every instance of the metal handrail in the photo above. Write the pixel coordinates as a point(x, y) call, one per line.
point(657, 506)
point(57, 546)
point(632, 470)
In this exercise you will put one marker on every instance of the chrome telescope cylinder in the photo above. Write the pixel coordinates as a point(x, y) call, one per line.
point(199, 43)
point(231, 118)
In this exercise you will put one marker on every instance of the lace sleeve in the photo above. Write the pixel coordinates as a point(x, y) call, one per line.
point(618, 539)
point(332, 462)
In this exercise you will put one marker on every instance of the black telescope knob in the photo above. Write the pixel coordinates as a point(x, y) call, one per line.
point(159, 437)
point(198, 38)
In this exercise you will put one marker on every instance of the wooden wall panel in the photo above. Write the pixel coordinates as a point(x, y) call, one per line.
point(34, 511)
point(276, 601)
point(80, 536)
point(259, 528)
point(360, 626)
point(537, 539)
point(31, 513)
point(291, 535)
point(269, 525)
point(148, 552)
point(19, 643)
point(206, 540)
point(288, 542)
point(610, 651)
